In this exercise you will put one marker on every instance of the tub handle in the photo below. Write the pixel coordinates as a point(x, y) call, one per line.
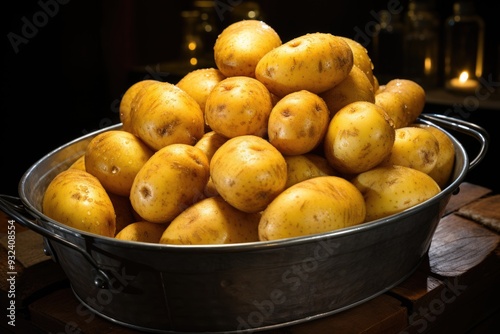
point(14, 207)
point(459, 125)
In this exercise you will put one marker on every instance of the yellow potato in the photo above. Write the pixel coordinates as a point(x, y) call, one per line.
point(390, 190)
point(212, 221)
point(376, 84)
point(76, 198)
point(241, 45)
point(115, 157)
point(210, 142)
point(443, 169)
point(315, 62)
point(359, 137)
point(248, 172)
point(402, 99)
point(361, 58)
point(210, 190)
point(414, 147)
point(356, 87)
point(126, 102)
point(238, 106)
point(79, 163)
point(171, 180)
point(199, 83)
point(123, 210)
point(316, 205)
point(306, 166)
point(164, 114)
point(142, 231)
point(298, 123)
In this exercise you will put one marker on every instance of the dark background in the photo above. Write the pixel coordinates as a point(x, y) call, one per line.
point(68, 77)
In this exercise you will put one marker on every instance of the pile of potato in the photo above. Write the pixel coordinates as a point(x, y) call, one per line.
point(280, 140)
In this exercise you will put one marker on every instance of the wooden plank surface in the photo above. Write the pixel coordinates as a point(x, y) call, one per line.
point(485, 211)
point(383, 314)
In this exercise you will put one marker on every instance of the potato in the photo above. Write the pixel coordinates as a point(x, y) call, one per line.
point(210, 142)
point(248, 172)
point(359, 137)
point(376, 84)
point(306, 166)
point(315, 62)
point(402, 99)
point(361, 58)
point(298, 123)
point(356, 87)
point(238, 106)
point(124, 212)
point(79, 163)
point(390, 190)
point(212, 221)
point(413, 147)
point(171, 180)
point(126, 103)
point(164, 114)
point(142, 231)
point(241, 45)
point(316, 205)
point(210, 190)
point(443, 169)
point(115, 157)
point(199, 83)
point(77, 199)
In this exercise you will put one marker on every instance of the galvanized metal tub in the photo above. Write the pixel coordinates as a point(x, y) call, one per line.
point(241, 287)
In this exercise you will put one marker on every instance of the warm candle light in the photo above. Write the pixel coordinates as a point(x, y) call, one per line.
point(463, 83)
point(428, 66)
point(463, 76)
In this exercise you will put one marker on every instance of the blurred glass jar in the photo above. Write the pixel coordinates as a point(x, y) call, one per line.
point(464, 48)
point(387, 47)
point(199, 33)
point(192, 46)
point(247, 10)
point(421, 43)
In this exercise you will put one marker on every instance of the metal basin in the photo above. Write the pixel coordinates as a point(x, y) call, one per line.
point(241, 287)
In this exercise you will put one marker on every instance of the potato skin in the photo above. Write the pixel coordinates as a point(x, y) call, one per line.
point(76, 198)
point(141, 231)
point(402, 99)
point(316, 205)
point(79, 163)
point(306, 166)
point(361, 59)
point(170, 181)
point(127, 102)
point(241, 45)
point(248, 172)
point(212, 221)
point(315, 62)
point(414, 147)
point(359, 137)
point(164, 114)
point(356, 87)
point(210, 143)
point(115, 157)
point(298, 123)
point(124, 212)
point(390, 190)
point(199, 83)
point(238, 106)
point(443, 169)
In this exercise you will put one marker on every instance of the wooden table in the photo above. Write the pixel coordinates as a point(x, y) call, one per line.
point(455, 290)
